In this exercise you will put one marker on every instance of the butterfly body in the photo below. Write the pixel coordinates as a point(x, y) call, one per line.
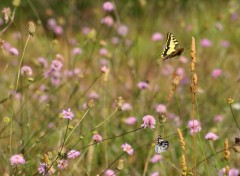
point(162, 145)
point(171, 49)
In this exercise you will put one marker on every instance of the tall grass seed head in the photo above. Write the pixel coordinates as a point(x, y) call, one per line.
point(31, 28)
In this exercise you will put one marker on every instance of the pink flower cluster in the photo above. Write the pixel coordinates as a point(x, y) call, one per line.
point(17, 160)
point(53, 26)
point(68, 114)
point(127, 148)
point(194, 126)
point(148, 121)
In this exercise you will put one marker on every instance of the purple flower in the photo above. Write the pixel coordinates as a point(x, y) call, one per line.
point(42, 61)
point(93, 95)
point(51, 23)
point(122, 30)
point(26, 70)
point(62, 164)
point(225, 43)
point(216, 73)
point(148, 121)
point(58, 30)
point(97, 138)
point(108, 6)
point(108, 20)
point(232, 172)
point(206, 43)
point(76, 51)
point(161, 108)
point(183, 59)
point(103, 52)
point(143, 85)
point(13, 51)
point(68, 114)
point(104, 69)
point(154, 174)
point(219, 26)
point(126, 107)
point(56, 65)
point(194, 126)
point(157, 37)
point(73, 154)
point(17, 160)
point(127, 148)
point(130, 120)
point(42, 168)
point(218, 118)
point(109, 172)
point(86, 30)
point(156, 158)
point(234, 16)
point(115, 40)
point(211, 136)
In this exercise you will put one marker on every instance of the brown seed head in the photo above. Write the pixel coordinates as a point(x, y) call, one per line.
point(31, 28)
point(181, 139)
point(226, 150)
point(229, 100)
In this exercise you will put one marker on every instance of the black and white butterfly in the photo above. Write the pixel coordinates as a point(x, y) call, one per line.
point(162, 145)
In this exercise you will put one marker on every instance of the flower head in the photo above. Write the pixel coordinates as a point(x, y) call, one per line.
point(42, 61)
point(211, 136)
point(26, 70)
point(56, 65)
point(156, 158)
point(218, 118)
point(148, 121)
point(225, 43)
point(157, 37)
point(130, 120)
point(127, 148)
point(42, 168)
point(58, 30)
point(206, 43)
point(73, 154)
point(143, 85)
point(161, 108)
point(122, 30)
point(17, 160)
point(154, 174)
point(14, 51)
point(76, 51)
point(62, 164)
point(108, 21)
point(97, 138)
point(109, 172)
point(194, 126)
point(126, 107)
point(68, 114)
point(216, 73)
point(108, 6)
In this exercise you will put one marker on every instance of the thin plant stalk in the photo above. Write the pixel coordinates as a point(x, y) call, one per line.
point(234, 117)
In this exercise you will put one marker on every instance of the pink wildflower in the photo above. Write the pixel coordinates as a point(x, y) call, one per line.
point(56, 65)
point(104, 69)
point(115, 40)
point(122, 30)
point(51, 23)
point(86, 30)
point(17, 160)
point(154, 174)
point(148, 121)
point(62, 164)
point(93, 95)
point(225, 43)
point(14, 51)
point(73, 154)
point(130, 120)
point(127, 148)
point(103, 52)
point(108, 6)
point(109, 172)
point(157, 37)
point(26, 70)
point(161, 108)
point(183, 59)
point(216, 73)
point(42, 168)
point(58, 30)
point(126, 107)
point(97, 138)
point(211, 136)
point(108, 21)
point(218, 118)
point(42, 61)
point(194, 126)
point(143, 85)
point(76, 51)
point(206, 43)
point(156, 158)
point(68, 114)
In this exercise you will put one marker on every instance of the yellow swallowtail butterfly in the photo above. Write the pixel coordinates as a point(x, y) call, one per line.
point(171, 49)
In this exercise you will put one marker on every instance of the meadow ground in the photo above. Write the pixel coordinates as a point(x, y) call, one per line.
point(84, 90)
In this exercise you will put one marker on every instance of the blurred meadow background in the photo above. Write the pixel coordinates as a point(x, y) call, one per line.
point(84, 90)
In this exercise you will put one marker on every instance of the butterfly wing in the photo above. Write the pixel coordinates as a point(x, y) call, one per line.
point(170, 48)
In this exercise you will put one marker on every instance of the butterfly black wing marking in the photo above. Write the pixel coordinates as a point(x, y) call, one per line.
point(171, 49)
point(162, 145)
